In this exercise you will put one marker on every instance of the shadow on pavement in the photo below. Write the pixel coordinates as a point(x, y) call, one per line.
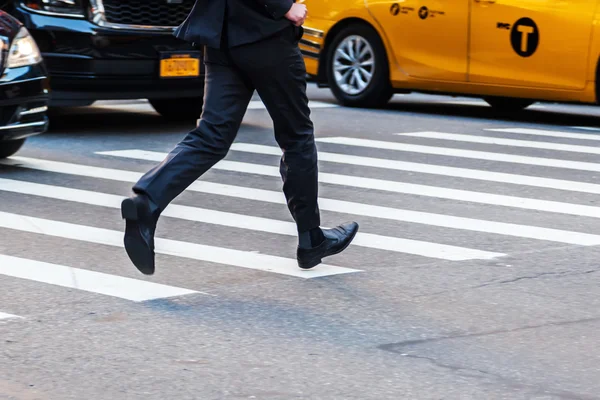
point(553, 115)
point(111, 122)
point(114, 121)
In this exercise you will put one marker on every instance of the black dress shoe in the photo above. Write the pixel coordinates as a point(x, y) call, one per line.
point(336, 241)
point(139, 232)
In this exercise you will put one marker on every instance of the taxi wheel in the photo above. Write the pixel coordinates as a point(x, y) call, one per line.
point(508, 104)
point(357, 68)
point(10, 147)
point(178, 109)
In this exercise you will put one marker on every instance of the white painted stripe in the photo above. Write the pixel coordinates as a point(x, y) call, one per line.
point(146, 107)
point(587, 128)
point(402, 187)
point(88, 281)
point(541, 132)
point(531, 144)
point(136, 107)
point(421, 248)
point(8, 316)
point(219, 255)
point(464, 102)
point(339, 206)
point(72, 169)
point(259, 105)
point(426, 249)
point(481, 103)
point(550, 183)
point(471, 154)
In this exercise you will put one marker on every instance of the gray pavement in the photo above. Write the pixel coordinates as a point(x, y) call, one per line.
point(474, 276)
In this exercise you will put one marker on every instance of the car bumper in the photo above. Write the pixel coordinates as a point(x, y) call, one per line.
point(24, 97)
point(87, 62)
point(70, 90)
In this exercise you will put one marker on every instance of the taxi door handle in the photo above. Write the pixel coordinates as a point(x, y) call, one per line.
point(485, 1)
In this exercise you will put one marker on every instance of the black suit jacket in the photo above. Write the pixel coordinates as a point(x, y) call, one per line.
point(246, 21)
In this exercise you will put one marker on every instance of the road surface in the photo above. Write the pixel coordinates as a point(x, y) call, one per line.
point(474, 276)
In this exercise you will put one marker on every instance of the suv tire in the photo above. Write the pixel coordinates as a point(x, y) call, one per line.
point(10, 147)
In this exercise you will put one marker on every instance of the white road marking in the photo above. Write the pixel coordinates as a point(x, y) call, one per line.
point(259, 105)
point(587, 128)
point(240, 221)
point(541, 132)
point(137, 107)
point(471, 154)
point(465, 103)
point(88, 281)
point(481, 103)
point(9, 316)
point(147, 107)
point(490, 176)
point(531, 144)
point(218, 255)
point(339, 206)
point(402, 187)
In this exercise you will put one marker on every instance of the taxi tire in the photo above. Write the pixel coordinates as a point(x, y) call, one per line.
point(183, 109)
point(508, 104)
point(379, 91)
point(10, 147)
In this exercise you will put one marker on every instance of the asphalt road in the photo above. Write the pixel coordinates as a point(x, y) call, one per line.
point(475, 274)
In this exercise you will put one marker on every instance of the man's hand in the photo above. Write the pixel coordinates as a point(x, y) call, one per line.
point(297, 14)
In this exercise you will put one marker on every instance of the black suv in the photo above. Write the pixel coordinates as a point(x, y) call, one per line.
point(116, 49)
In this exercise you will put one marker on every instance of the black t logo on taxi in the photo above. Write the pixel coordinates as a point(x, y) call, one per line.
point(423, 12)
point(524, 37)
point(395, 9)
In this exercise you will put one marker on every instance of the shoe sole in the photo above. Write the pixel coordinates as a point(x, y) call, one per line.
point(316, 261)
point(140, 255)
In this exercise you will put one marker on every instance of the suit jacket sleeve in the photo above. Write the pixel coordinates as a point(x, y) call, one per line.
point(276, 8)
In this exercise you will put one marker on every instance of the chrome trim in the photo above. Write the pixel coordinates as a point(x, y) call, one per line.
point(62, 55)
point(313, 32)
point(50, 13)
point(105, 24)
point(99, 18)
point(36, 110)
point(310, 54)
point(310, 43)
point(20, 126)
point(38, 78)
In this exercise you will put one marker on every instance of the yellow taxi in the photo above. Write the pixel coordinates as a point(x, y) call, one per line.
point(511, 53)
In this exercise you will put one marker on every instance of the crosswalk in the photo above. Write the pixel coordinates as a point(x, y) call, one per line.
point(383, 185)
point(457, 238)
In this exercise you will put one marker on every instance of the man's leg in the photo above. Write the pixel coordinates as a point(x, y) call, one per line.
point(226, 99)
point(227, 95)
point(277, 70)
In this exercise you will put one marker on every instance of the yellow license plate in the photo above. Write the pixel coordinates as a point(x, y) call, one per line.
point(179, 66)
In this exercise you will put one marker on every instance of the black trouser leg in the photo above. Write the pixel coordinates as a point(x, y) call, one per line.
point(226, 99)
point(277, 71)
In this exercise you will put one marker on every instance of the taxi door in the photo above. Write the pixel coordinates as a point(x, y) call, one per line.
point(533, 43)
point(429, 37)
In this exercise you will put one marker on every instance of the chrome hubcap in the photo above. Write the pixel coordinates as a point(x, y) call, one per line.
point(353, 64)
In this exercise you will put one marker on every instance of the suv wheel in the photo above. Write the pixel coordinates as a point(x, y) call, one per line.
point(178, 109)
point(357, 68)
point(10, 147)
